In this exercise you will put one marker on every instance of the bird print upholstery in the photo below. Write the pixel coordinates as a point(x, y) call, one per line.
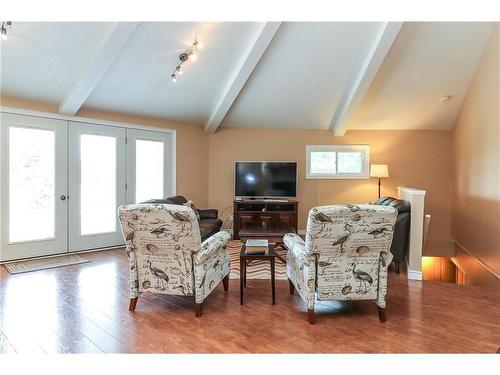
point(166, 254)
point(345, 255)
point(211, 263)
point(301, 268)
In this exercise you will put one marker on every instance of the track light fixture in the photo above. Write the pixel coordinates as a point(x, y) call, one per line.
point(187, 55)
point(3, 29)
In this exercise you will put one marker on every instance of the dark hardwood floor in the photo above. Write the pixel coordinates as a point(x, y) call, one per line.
point(84, 308)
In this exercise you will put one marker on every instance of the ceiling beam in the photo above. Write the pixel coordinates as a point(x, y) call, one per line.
point(373, 61)
point(258, 45)
point(107, 51)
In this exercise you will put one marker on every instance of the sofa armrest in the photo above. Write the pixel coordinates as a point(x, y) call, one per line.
point(211, 246)
point(210, 213)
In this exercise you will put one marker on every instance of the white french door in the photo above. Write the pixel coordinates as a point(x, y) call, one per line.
point(96, 185)
point(62, 181)
point(33, 186)
point(149, 165)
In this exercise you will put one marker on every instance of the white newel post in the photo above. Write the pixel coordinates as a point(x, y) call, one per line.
point(416, 198)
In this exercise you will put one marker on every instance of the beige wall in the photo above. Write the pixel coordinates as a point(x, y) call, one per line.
point(192, 145)
point(420, 159)
point(476, 197)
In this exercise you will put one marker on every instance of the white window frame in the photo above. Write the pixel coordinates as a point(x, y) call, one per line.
point(365, 172)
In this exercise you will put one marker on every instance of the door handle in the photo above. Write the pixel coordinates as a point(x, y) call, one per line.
point(63, 197)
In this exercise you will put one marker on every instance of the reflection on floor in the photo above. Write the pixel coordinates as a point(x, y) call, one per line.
point(83, 308)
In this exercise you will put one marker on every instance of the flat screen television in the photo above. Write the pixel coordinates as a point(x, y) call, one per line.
point(265, 179)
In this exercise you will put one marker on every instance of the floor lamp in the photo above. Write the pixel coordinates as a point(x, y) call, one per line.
point(379, 171)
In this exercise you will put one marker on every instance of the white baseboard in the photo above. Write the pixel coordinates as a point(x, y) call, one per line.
point(414, 275)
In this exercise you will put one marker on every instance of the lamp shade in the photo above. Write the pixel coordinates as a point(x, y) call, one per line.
point(379, 170)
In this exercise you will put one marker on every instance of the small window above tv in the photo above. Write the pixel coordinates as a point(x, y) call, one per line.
point(337, 161)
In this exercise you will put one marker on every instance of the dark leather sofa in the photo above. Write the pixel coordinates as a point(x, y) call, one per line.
point(209, 221)
point(400, 241)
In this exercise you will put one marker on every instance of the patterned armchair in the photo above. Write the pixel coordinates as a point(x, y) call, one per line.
point(166, 253)
point(345, 255)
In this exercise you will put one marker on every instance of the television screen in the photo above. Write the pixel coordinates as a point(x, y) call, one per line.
point(265, 179)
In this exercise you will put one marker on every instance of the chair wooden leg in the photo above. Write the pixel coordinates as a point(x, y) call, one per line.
point(311, 317)
point(132, 304)
point(292, 287)
point(381, 314)
point(198, 309)
point(225, 283)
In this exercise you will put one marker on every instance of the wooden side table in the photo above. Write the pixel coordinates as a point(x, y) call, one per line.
point(244, 258)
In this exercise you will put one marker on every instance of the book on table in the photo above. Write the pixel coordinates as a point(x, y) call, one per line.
point(257, 247)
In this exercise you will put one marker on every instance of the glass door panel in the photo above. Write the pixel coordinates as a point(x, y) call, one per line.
point(97, 185)
point(149, 165)
point(149, 169)
point(31, 184)
point(34, 187)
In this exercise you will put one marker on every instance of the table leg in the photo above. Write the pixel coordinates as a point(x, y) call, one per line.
point(241, 280)
point(273, 283)
point(245, 273)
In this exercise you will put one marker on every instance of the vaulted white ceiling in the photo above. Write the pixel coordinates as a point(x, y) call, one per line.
point(426, 62)
point(139, 80)
point(338, 75)
point(42, 61)
point(301, 78)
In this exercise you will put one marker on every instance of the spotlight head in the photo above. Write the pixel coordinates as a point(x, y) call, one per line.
point(4, 33)
point(174, 78)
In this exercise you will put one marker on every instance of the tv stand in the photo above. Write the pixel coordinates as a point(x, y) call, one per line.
point(267, 219)
point(261, 199)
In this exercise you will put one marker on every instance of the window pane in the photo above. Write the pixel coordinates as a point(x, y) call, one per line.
point(98, 184)
point(149, 170)
point(350, 162)
point(31, 184)
point(323, 162)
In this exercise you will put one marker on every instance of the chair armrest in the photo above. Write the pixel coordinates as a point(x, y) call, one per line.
point(295, 243)
point(301, 268)
point(210, 213)
point(384, 262)
point(386, 258)
point(211, 246)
